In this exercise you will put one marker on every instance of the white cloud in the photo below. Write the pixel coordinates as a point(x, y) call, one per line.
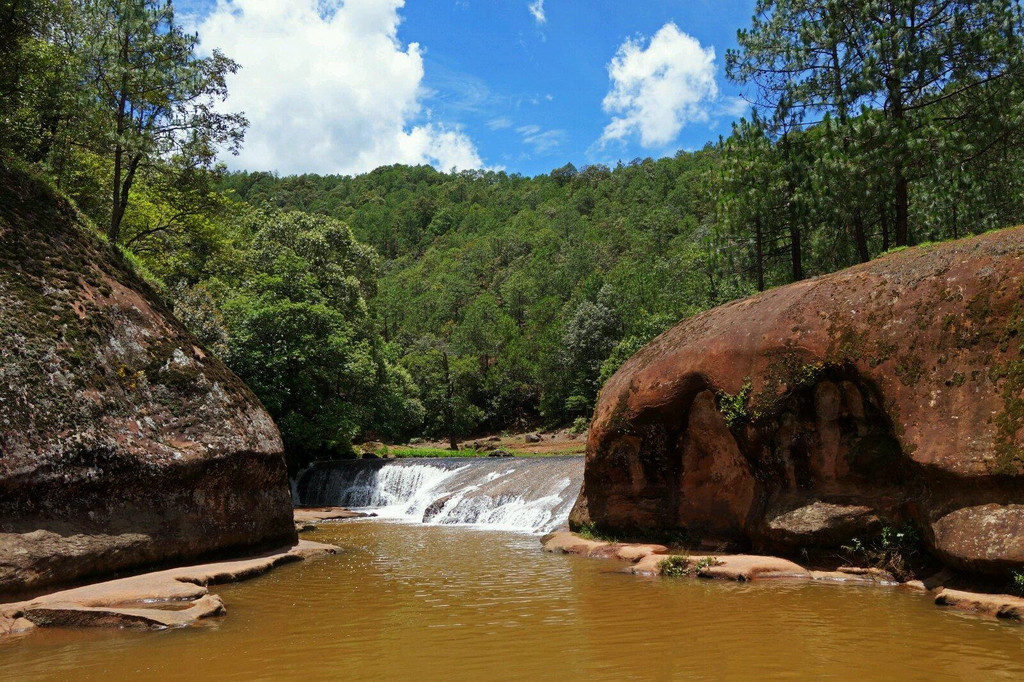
point(500, 123)
point(733, 107)
point(658, 89)
point(542, 141)
point(328, 87)
point(537, 10)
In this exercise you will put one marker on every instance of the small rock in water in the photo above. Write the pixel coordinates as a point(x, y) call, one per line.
point(435, 507)
point(500, 453)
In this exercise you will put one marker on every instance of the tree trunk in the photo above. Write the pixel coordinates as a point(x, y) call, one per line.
point(760, 252)
point(902, 227)
point(860, 236)
point(902, 210)
point(794, 250)
point(449, 404)
point(117, 204)
point(114, 229)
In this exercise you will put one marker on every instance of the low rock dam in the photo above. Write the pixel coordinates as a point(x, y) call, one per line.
point(515, 494)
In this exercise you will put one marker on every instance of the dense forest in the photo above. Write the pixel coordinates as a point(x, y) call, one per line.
point(412, 302)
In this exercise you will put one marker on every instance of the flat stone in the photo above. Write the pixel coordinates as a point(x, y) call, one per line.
point(647, 566)
point(122, 602)
point(744, 567)
point(634, 553)
point(876, 574)
point(75, 615)
point(850, 577)
point(917, 585)
point(996, 605)
point(314, 515)
point(14, 626)
point(564, 542)
point(647, 559)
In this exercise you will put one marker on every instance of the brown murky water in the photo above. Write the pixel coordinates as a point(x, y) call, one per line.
point(410, 602)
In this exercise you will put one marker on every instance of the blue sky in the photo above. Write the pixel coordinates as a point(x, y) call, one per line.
point(524, 85)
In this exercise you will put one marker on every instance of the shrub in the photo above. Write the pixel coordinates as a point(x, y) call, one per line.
point(895, 550)
point(734, 407)
point(675, 566)
point(580, 426)
point(588, 531)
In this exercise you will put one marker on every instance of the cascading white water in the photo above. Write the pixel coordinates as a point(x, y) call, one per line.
point(531, 495)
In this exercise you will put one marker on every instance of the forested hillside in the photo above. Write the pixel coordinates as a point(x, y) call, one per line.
point(410, 302)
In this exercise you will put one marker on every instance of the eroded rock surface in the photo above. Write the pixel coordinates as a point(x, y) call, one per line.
point(123, 442)
point(142, 601)
point(887, 394)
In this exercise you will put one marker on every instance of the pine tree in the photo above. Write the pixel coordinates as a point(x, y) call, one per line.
point(153, 97)
point(912, 61)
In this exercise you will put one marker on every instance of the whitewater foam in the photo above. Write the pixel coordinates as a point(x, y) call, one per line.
point(525, 495)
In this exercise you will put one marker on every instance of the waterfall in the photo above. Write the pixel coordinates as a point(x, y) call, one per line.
point(521, 494)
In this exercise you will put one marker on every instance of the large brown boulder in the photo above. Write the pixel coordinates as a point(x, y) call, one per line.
point(123, 442)
point(885, 394)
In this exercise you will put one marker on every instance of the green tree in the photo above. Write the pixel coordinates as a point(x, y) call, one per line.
point(37, 75)
point(154, 98)
point(913, 61)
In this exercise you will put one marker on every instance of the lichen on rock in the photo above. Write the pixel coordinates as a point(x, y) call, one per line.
point(122, 442)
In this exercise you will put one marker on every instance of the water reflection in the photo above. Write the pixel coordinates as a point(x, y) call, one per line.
point(409, 602)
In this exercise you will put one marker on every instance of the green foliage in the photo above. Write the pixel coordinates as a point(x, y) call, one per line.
point(1018, 582)
point(896, 550)
point(535, 301)
point(579, 425)
point(409, 301)
point(922, 95)
point(149, 95)
point(734, 407)
point(589, 531)
point(675, 566)
point(109, 95)
point(399, 451)
point(681, 566)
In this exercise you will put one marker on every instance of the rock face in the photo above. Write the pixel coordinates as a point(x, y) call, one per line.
point(885, 394)
point(123, 443)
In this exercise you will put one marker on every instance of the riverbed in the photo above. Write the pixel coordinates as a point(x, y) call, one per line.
point(417, 602)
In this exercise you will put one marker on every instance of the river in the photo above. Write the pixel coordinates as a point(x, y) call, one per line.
point(413, 601)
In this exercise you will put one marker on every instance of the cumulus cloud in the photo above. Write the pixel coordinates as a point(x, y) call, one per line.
point(537, 10)
point(328, 87)
point(659, 87)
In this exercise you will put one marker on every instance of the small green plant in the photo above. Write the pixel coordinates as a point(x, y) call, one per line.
point(894, 550)
point(679, 566)
point(734, 407)
point(675, 566)
point(579, 426)
point(1018, 582)
point(588, 531)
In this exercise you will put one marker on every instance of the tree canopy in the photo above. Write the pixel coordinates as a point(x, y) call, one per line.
point(411, 302)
